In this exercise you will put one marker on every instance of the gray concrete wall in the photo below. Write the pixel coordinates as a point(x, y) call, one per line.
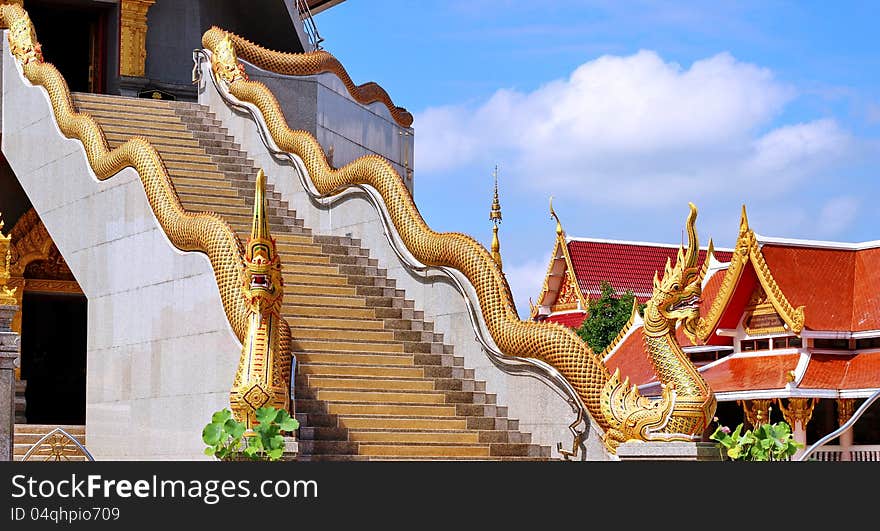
point(539, 409)
point(322, 105)
point(175, 29)
point(161, 354)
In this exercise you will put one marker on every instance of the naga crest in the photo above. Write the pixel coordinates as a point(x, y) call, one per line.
point(224, 62)
point(677, 295)
point(23, 40)
point(263, 285)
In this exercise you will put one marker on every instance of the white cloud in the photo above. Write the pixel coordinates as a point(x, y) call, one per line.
point(837, 215)
point(636, 130)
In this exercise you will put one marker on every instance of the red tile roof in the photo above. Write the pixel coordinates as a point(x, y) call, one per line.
point(571, 319)
point(750, 373)
point(839, 287)
point(866, 290)
point(842, 371)
point(626, 265)
point(630, 357)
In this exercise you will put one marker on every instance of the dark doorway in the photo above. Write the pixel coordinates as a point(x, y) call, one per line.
point(53, 358)
point(72, 39)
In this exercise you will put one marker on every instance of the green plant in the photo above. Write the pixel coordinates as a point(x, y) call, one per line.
point(768, 442)
point(606, 316)
point(227, 440)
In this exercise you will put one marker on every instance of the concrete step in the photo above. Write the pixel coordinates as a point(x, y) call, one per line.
point(362, 383)
point(350, 358)
point(379, 371)
point(412, 436)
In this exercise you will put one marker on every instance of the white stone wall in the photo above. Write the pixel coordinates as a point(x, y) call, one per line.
point(539, 409)
point(161, 354)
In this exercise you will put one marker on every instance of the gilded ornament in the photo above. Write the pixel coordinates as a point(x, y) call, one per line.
point(22, 38)
point(798, 410)
point(7, 294)
point(224, 62)
point(748, 251)
point(263, 375)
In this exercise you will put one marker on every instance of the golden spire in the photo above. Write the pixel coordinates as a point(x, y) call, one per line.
point(495, 218)
point(260, 242)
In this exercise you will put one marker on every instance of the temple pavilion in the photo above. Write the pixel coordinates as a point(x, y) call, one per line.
point(789, 329)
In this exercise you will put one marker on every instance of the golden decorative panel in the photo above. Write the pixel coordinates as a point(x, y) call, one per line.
point(133, 36)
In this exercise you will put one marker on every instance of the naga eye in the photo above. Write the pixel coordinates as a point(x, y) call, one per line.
point(675, 286)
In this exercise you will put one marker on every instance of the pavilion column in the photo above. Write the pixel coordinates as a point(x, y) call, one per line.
point(756, 412)
point(797, 414)
point(133, 37)
point(845, 409)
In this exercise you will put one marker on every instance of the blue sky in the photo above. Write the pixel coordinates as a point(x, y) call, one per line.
point(625, 111)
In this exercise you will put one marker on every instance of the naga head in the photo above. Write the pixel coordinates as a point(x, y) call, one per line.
point(23, 40)
point(224, 62)
point(263, 285)
point(677, 295)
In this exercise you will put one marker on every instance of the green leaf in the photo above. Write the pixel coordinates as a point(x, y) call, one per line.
point(234, 428)
point(212, 433)
point(290, 424)
point(265, 415)
point(275, 454)
point(275, 442)
point(210, 450)
point(221, 416)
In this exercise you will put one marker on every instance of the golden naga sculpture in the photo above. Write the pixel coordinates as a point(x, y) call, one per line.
point(203, 232)
point(687, 404)
point(618, 409)
point(226, 67)
point(305, 64)
point(23, 42)
point(263, 375)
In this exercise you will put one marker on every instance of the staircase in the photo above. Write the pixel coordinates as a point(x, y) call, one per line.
point(372, 381)
point(26, 435)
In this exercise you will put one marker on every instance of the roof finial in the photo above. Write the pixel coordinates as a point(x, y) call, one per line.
point(495, 218)
point(559, 231)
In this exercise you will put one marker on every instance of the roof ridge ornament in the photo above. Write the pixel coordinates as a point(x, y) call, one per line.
point(559, 231)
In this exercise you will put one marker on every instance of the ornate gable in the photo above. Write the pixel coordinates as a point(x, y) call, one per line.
point(748, 252)
point(561, 291)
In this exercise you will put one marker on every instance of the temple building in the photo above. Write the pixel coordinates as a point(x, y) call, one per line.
point(578, 266)
point(789, 329)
